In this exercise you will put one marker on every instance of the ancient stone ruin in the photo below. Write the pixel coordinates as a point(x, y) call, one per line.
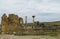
point(11, 23)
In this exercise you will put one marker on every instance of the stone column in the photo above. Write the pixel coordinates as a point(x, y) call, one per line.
point(4, 24)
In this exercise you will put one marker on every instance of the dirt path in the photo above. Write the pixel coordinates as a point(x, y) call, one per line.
point(26, 37)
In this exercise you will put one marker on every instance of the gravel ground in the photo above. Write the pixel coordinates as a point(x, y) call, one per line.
point(27, 37)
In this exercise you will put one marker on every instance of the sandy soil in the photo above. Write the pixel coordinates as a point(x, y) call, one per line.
point(27, 37)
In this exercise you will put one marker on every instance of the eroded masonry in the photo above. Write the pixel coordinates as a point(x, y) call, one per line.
point(11, 23)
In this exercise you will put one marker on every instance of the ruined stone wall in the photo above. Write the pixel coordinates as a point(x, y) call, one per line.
point(11, 23)
point(4, 23)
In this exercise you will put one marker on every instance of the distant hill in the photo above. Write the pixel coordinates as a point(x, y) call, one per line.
point(56, 23)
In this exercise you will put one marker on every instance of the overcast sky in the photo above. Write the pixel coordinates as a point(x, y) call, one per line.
point(44, 10)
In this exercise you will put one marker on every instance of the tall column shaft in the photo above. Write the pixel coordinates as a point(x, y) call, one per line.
point(33, 18)
point(25, 19)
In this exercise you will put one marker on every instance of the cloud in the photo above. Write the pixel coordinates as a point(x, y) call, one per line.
point(42, 9)
point(24, 5)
